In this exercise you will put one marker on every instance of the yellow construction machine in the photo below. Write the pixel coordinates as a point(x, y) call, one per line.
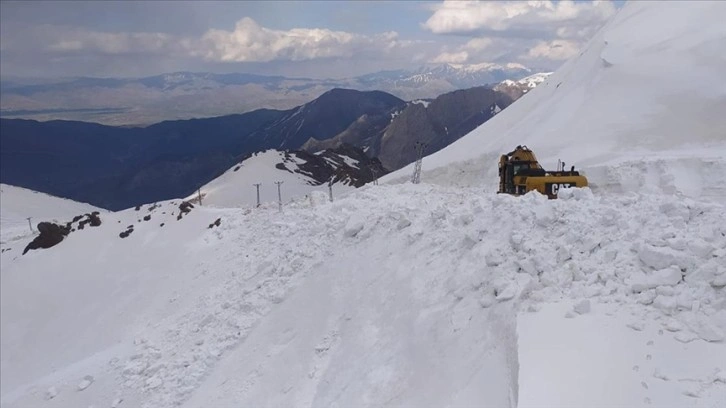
point(520, 173)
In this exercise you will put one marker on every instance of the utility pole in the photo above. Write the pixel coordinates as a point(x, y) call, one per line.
point(258, 193)
point(375, 176)
point(279, 194)
point(30, 224)
point(199, 193)
point(420, 147)
point(330, 189)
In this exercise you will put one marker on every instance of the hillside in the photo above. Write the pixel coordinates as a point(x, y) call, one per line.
point(17, 204)
point(301, 174)
point(117, 168)
point(437, 122)
point(668, 136)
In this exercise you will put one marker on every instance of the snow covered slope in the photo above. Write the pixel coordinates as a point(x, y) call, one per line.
point(392, 296)
point(642, 107)
point(301, 174)
point(17, 204)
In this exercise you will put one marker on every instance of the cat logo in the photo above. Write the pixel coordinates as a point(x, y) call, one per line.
point(554, 188)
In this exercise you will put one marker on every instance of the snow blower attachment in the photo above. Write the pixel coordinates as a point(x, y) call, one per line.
point(520, 173)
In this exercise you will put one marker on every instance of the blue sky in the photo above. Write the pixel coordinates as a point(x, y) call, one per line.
point(294, 38)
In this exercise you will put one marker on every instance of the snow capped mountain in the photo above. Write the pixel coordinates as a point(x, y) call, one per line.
point(434, 294)
point(666, 136)
point(301, 174)
point(529, 82)
point(516, 89)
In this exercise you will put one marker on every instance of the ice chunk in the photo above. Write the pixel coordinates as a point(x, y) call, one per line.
point(403, 223)
point(486, 301)
point(544, 215)
point(508, 293)
point(582, 306)
point(85, 382)
point(673, 325)
point(665, 303)
point(353, 228)
point(660, 258)
point(719, 281)
point(665, 277)
point(668, 277)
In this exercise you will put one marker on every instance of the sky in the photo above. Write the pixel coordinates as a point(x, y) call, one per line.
point(318, 39)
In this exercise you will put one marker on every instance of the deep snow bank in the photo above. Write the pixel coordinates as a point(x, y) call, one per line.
point(644, 100)
point(394, 295)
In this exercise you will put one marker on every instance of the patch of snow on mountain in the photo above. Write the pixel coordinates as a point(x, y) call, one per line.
point(423, 102)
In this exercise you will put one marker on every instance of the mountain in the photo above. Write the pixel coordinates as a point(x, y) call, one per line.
point(301, 173)
point(668, 136)
point(437, 122)
point(185, 95)
point(442, 293)
point(516, 89)
point(325, 117)
point(116, 168)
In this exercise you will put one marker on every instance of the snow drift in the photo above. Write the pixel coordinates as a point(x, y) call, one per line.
point(640, 108)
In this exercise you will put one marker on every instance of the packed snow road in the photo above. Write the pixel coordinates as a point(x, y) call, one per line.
point(394, 295)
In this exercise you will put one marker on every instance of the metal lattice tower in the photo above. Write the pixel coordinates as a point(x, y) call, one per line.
point(420, 147)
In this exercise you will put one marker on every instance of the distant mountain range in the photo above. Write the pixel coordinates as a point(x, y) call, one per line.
point(185, 95)
point(119, 167)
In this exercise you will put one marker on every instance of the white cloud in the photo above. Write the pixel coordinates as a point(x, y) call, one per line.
point(543, 32)
point(452, 58)
point(113, 43)
point(247, 42)
point(554, 50)
point(250, 42)
point(511, 18)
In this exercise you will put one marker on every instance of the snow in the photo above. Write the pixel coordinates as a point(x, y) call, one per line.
point(17, 204)
point(236, 188)
point(351, 162)
point(268, 307)
point(423, 102)
point(595, 358)
point(435, 294)
point(641, 108)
